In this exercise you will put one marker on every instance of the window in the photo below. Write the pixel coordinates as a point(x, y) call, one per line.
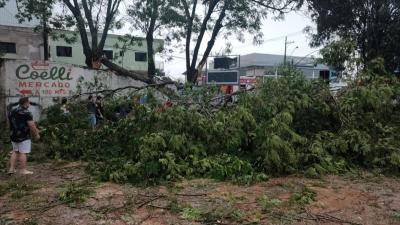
point(324, 74)
point(64, 51)
point(7, 47)
point(140, 56)
point(108, 54)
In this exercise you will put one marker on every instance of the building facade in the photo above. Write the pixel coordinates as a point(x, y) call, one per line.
point(133, 57)
point(257, 65)
point(23, 43)
point(20, 41)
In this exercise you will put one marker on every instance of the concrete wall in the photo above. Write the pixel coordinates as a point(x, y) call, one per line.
point(29, 44)
point(47, 82)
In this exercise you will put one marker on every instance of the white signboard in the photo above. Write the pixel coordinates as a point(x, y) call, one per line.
point(39, 78)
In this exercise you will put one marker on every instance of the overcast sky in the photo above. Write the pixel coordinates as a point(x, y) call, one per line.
point(274, 42)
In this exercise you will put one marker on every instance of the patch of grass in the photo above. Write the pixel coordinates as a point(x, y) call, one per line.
point(312, 173)
point(30, 222)
point(305, 197)
point(220, 211)
point(3, 189)
point(250, 179)
point(396, 216)
point(238, 215)
point(266, 202)
point(18, 189)
point(319, 184)
point(285, 186)
point(75, 193)
point(5, 221)
point(173, 188)
point(190, 213)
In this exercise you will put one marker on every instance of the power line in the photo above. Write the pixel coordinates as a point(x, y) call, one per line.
point(273, 39)
point(284, 36)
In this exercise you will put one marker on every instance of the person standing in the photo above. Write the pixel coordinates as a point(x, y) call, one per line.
point(92, 110)
point(64, 107)
point(99, 108)
point(22, 127)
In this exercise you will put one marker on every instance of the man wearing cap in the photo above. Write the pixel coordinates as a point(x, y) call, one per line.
point(22, 127)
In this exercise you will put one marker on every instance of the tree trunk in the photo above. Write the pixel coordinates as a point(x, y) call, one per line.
point(191, 75)
point(124, 72)
point(189, 29)
point(151, 67)
point(217, 28)
point(192, 72)
point(45, 41)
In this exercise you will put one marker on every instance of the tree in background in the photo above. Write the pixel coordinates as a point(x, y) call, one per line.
point(154, 18)
point(224, 16)
point(374, 25)
point(41, 10)
point(341, 55)
point(98, 17)
point(220, 17)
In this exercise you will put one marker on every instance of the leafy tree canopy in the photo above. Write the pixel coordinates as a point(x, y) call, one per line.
point(374, 25)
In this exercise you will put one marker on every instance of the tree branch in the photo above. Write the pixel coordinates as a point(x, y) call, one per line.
point(93, 31)
point(218, 26)
point(137, 88)
point(282, 9)
point(124, 72)
point(203, 29)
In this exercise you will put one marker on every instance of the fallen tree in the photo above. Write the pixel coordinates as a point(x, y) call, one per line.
point(286, 125)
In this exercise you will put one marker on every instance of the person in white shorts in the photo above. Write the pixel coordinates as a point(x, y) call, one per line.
point(21, 126)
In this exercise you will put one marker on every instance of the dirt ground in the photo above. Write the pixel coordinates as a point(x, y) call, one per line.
point(63, 193)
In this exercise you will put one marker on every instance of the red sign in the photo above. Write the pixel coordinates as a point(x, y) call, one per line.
point(40, 65)
point(248, 80)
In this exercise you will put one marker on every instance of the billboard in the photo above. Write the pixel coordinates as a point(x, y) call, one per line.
point(226, 63)
point(223, 77)
point(41, 78)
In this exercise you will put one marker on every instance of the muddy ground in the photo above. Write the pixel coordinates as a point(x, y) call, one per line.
point(64, 194)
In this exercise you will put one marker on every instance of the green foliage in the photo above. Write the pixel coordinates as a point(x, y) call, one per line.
point(190, 214)
point(396, 216)
point(287, 125)
point(266, 202)
point(5, 145)
point(305, 197)
point(74, 193)
point(339, 53)
point(373, 25)
point(17, 189)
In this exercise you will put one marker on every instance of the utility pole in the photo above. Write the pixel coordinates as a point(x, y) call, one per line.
point(286, 44)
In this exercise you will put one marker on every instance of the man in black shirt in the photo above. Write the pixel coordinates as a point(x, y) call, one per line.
point(21, 126)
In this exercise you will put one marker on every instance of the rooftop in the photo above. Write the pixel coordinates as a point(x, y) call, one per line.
point(271, 60)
